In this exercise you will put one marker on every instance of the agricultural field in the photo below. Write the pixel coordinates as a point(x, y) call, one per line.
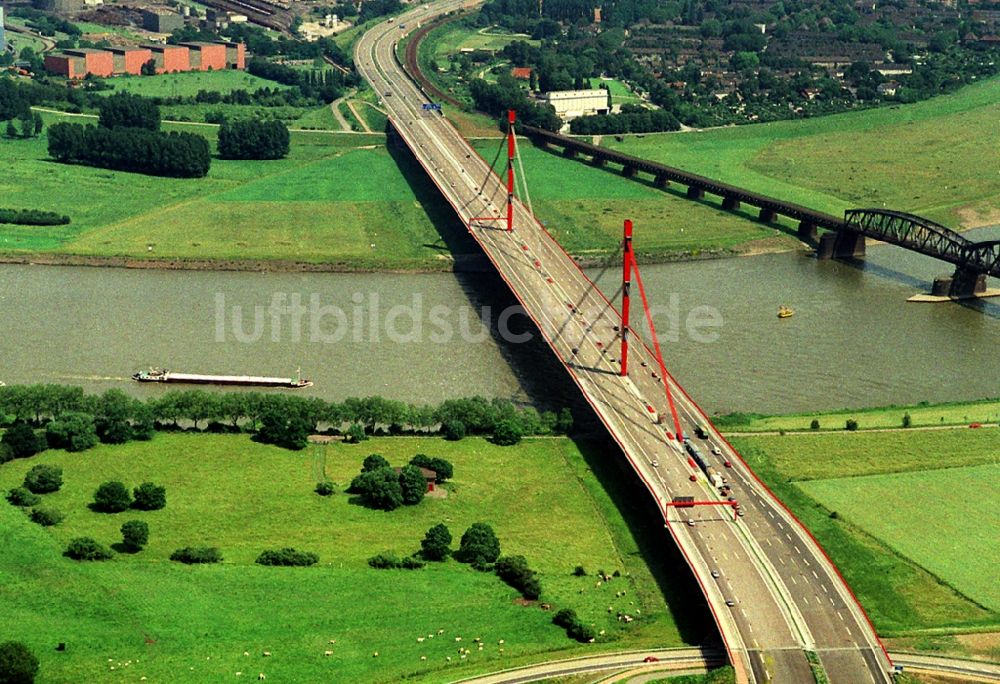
point(924, 517)
point(341, 199)
point(925, 158)
point(844, 487)
point(921, 415)
point(188, 84)
point(584, 206)
point(150, 617)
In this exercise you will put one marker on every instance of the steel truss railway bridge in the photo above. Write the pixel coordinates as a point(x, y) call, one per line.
point(780, 605)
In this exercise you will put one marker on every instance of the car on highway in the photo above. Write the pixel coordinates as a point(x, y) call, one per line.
point(728, 464)
point(650, 659)
point(715, 574)
point(730, 603)
point(388, 93)
point(690, 523)
point(656, 464)
point(716, 450)
point(975, 425)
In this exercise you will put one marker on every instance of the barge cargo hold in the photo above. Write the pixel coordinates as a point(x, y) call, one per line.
point(242, 380)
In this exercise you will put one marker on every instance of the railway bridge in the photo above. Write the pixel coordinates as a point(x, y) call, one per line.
point(781, 607)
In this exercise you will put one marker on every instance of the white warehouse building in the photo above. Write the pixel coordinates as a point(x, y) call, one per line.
point(570, 104)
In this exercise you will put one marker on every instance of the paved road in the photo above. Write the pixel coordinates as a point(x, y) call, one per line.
point(772, 592)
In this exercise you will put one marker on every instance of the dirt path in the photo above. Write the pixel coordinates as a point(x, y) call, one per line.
point(335, 108)
point(787, 433)
point(361, 119)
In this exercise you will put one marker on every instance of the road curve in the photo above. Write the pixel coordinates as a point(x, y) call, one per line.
point(773, 593)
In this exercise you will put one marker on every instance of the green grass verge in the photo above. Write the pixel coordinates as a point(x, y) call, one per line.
point(164, 619)
point(921, 415)
point(620, 92)
point(322, 207)
point(925, 158)
point(900, 595)
point(940, 519)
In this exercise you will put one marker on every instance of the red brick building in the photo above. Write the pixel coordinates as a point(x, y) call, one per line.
point(130, 60)
point(96, 62)
point(236, 55)
point(170, 59)
point(65, 65)
point(205, 56)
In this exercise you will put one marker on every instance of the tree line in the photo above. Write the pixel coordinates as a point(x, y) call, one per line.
point(119, 417)
point(253, 140)
point(180, 155)
point(632, 119)
point(496, 99)
point(32, 217)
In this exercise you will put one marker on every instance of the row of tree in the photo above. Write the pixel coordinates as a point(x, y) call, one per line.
point(506, 93)
point(32, 217)
point(180, 155)
point(632, 119)
point(253, 140)
point(118, 417)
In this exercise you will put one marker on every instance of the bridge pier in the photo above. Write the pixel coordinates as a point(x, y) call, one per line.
point(628, 171)
point(569, 153)
point(599, 162)
point(807, 231)
point(963, 283)
point(767, 215)
point(661, 181)
point(842, 244)
point(694, 192)
point(730, 203)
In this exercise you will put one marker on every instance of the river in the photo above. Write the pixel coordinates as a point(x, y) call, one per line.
point(854, 340)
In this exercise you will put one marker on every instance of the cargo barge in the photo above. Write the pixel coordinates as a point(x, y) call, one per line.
point(167, 376)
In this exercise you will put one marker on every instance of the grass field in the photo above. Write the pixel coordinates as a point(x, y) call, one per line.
point(926, 158)
point(170, 621)
point(925, 517)
point(620, 93)
point(322, 207)
point(584, 207)
point(903, 594)
point(188, 84)
point(921, 415)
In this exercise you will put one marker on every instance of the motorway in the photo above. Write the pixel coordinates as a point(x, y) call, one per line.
point(773, 593)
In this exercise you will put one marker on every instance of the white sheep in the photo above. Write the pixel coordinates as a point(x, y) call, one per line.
point(328, 653)
point(267, 654)
point(262, 676)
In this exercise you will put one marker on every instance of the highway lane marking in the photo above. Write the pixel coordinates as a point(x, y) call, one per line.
point(816, 576)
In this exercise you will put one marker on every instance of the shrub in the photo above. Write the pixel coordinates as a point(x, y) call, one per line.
point(514, 571)
point(47, 517)
point(22, 440)
point(579, 571)
point(565, 618)
point(411, 563)
point(374, 462)
point(851, 424)
point(72, 431)
point(287, 557)
point(907, 420)
point(581, 632)
point(112, 497)
point(387, 560)
point(814, 425)
point(286, 428)
point(355, 434)
point(412, 485)
point(85, 548)
point(479, 546)
point(442, 468)
point(196, 554)
point(135, 534)
point(149, 497)
point(32, 217)
point(507, 433)
point(324, 488)
point(453, 430)
point(379, 489)
point(564, 423)
point(19, 496)
point(18, 665)
point(436, 544)
point(43, 479)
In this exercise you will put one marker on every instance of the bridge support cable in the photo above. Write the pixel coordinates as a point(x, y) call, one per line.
point(510, 170)
point(678, 431)
point(523, 178)
point(626, 288)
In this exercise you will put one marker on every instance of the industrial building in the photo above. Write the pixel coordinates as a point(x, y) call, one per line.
point(3, 37)
point(570, 104)
point(160, 20)
point(167, 59)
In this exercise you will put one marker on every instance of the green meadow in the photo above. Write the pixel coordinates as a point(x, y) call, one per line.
point(141, 615)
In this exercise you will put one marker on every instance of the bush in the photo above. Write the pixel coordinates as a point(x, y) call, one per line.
point(479, 546)
point(581, 632)
point(436, 544)
point(412, 485)
point(442, 468)
point(47, 517)
point(135, 534)
point(324, 488)
point(149, 497)
point(286, 428)
point(112, 497)
point(22, 440)
point(18, 665)
point(851, 425)
point(374, 462)
point(43, 479)
point(814, 425)
point(19, 496)
point(287, 557)
point(72, 431)
point(32, 217)
point(379, 489)
point(453, 430)
point(907, 420)
point(514, 571)
point(85, 548)
point(355, 434)
point(196, 554)
point(507, 433)
point(387, 560)
point(565, 618)
point(579, 571)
